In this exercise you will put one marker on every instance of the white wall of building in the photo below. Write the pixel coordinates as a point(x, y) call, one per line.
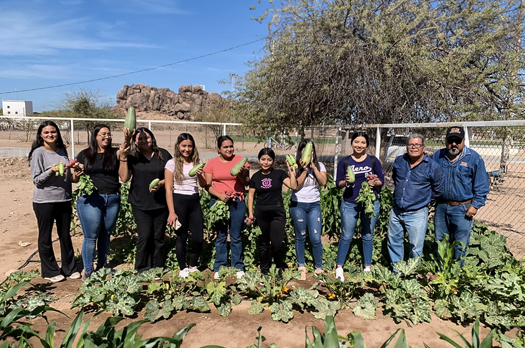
point(17, 108)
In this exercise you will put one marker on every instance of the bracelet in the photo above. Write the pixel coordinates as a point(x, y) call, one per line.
point(123, 160)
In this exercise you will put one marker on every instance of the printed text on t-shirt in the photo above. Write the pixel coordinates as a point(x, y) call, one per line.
point(358, 170)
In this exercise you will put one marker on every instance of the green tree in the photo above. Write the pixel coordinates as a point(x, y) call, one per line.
point(220, 110)
point(362, 62)
point(86, 104)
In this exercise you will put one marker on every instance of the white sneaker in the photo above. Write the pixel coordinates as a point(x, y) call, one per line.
point(367, 269)
point(339, 274)
point(55, 279)
point(184, 272)
point(75, 275)
point(216, 276)
point(193, 269)
point(240, 274)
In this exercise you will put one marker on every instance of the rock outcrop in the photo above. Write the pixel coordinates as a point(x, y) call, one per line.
point(183, 106)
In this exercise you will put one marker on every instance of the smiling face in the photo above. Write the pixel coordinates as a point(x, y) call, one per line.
point(186, 149)
point(50, 135)
point(104, 138)
point(144, 141)
point(415, 148)
point(359, 145)
point(226, 150)
point(266, 162)
point(455, 146)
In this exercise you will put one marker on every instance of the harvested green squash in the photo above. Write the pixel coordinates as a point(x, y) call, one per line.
point(237, 168)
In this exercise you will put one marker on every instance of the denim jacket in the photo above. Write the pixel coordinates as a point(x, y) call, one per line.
point(465, 178)
point(415, 187)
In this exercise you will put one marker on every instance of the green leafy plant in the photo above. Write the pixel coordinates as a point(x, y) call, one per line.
point(475, 342)
point(118, 292)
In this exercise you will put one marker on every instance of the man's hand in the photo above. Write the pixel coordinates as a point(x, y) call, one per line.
point(471, 211)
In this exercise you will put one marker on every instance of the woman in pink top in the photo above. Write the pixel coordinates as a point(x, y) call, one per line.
point(229, 189)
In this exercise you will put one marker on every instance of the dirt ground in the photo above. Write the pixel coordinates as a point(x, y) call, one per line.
point(18, 237)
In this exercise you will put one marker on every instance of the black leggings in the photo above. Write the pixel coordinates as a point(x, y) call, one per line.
point(272, 221)
point(46, 215)
point(151, 227)
point(189, 213)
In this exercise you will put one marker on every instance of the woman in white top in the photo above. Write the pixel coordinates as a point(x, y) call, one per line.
point(182, 197)
point(305, 208)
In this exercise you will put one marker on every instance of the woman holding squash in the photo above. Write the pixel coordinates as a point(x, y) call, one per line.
point(267, 184)
point(98, 212)
point(52, 202)
point(147, 196)
point(226, 178)
point(183, 176)
point(305, 207)
point(365, 168)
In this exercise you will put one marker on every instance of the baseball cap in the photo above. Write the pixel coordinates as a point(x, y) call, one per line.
point(455, 132)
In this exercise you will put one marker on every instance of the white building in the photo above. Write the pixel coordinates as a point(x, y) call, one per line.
point(17, 108)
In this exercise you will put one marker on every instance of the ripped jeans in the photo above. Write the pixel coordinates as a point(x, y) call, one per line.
point(307, 216)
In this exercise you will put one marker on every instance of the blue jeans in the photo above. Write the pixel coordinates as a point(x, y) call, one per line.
point(415, 223)
point(452, 220)
point(307, 215)
point(237, 211)
point(350, 213)
point(98, 216)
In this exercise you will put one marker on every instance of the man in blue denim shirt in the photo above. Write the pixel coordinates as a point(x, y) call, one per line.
point(466, 189)
point(418, 179)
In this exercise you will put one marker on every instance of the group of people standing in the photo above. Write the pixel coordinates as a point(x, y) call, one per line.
point(454, 176)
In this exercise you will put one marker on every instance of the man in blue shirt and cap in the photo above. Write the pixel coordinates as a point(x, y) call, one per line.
point(418, 179)
point(466, 189)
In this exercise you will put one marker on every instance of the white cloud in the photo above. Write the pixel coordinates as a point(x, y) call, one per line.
point(30, 33)
point(146, 6)
point(36, 71)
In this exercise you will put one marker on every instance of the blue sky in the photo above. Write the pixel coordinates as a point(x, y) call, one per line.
point(54, 42)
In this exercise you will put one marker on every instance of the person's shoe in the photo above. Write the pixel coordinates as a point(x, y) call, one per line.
point(55, 279)
point(216, 276)
point(339, 274)
point(240, 274)
point(75, 275)
point(302, 269)
point(367, 269)
point(193, 269)
point(184, 273)
point(317, 273)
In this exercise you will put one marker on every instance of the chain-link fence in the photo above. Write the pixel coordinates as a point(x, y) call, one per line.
point(501, 144)
point(502, 148)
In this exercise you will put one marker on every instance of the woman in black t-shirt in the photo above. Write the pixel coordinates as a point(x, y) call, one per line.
point(98, 212)
point(270, 215)
point(146, 163)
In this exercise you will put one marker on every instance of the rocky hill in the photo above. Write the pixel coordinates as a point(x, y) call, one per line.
point(183, 106)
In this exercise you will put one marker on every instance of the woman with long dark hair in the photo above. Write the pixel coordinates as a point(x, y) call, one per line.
point(229, 189)
point(98, 212)
point(267, 185)
point(146, 163)
point(305, 208)
point(182, 196)
point(366, 168)
point(52, 202)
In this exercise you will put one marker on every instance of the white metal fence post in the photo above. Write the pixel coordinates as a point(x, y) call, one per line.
point(72, 139)
point(224, 129)
point(467, 138)
point(378, 142)
point(336, 150)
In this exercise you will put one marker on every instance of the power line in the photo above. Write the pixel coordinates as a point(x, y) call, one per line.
point(136, 71)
